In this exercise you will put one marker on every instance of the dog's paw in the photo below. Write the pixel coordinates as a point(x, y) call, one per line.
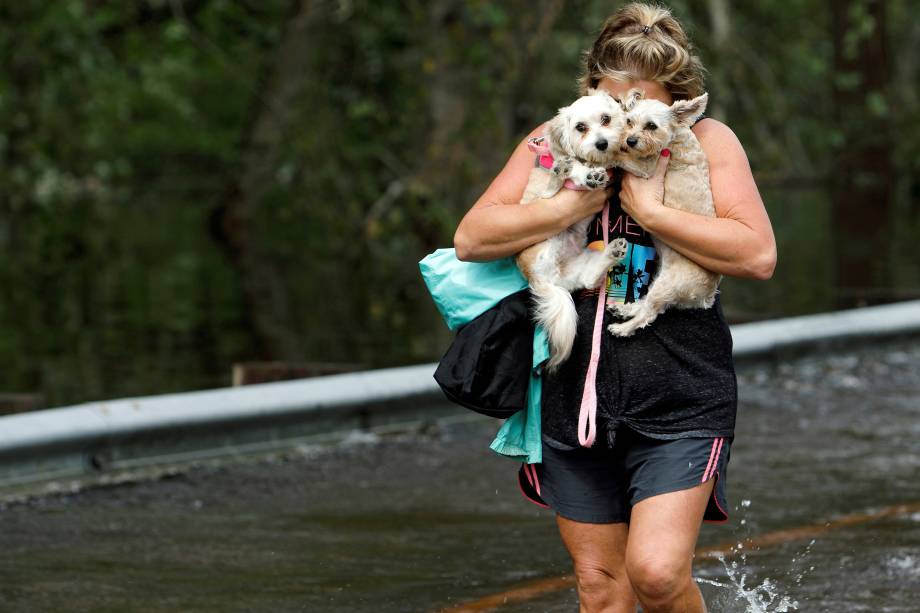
point(622, 330)
point(596, 178)
point(616, 249)
point(622, 310)
point(562, 166)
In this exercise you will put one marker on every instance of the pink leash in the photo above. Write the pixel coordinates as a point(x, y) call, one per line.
point(588, 412)
point(587, 415)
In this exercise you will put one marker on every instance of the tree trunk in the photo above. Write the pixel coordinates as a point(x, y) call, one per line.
point(862, 191)
point(720, 24)
point(232, 221)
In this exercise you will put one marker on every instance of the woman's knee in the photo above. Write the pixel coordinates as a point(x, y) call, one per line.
point(596, 578)
point(601, 587)
point(658, 579)
point(598, 554)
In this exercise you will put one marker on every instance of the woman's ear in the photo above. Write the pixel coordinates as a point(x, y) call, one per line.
point(686, 111)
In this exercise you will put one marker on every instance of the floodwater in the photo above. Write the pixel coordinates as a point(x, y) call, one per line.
point(426, 520)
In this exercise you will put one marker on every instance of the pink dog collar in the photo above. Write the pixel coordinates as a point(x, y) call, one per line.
point(538, 145)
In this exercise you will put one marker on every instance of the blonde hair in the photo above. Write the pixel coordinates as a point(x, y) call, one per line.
point(642, 42)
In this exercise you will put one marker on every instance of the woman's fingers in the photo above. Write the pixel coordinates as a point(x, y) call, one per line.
point(662, 167)
point(638, 193)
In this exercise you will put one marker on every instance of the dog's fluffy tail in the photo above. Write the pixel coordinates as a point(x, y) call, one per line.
point(555, 310)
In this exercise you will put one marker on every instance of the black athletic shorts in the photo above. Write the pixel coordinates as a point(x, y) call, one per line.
point(600, 485)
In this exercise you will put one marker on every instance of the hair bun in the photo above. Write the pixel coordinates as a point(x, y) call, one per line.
point(644, 42)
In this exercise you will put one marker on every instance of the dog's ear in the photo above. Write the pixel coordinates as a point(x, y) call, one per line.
point(628, 101)
point(686, 111)
point(557, 133)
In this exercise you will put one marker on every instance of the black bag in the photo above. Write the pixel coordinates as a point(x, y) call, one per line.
point(487, 367)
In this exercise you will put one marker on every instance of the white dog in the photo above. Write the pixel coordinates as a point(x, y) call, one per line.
point(651, 126)
point(582, 141)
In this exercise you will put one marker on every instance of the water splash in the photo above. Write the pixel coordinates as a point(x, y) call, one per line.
point(795, 573)
point(767, 597)
point(770, 595)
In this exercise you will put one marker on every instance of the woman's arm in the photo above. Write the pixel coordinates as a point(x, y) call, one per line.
point(739, 241)
point(498, 225)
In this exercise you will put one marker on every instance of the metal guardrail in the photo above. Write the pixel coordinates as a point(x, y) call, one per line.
point(98, 437)
point(779, 337)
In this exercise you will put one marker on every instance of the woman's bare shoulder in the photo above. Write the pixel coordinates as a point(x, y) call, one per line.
point(717, 139)
point(734, 190)
point(724, 152)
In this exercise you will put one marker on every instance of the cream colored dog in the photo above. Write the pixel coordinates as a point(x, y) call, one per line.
point(651, 126)
point(583, 141)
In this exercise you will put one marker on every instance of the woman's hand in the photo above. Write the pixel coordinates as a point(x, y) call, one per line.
point(576, 204)
point(642, 198)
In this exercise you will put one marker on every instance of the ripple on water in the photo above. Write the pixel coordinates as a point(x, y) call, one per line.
point(903, 565)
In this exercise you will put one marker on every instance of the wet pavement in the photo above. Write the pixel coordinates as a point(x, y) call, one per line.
point(426, 520)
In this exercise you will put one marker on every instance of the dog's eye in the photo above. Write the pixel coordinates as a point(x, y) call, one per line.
point(651, 126)
point(605, 120)
point(629, 123)
point(581, 127)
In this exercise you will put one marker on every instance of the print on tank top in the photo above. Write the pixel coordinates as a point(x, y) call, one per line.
point(629, 280)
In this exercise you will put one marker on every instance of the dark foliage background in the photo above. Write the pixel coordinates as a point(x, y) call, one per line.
point(190, 183)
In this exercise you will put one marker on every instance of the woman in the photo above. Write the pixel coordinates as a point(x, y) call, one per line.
point(667, 395)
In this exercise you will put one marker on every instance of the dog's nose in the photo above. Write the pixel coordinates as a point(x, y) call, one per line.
point(601, 144)
point(632, 141)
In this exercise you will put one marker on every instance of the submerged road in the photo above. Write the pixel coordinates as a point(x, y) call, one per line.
point(424, 521)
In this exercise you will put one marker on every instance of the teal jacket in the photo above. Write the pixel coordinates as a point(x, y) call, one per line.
point(464, 290)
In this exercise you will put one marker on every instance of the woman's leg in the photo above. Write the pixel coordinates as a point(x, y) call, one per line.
point(599, 555)
point(659, 554)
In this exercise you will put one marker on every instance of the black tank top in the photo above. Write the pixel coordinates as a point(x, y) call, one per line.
point(672, 379)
